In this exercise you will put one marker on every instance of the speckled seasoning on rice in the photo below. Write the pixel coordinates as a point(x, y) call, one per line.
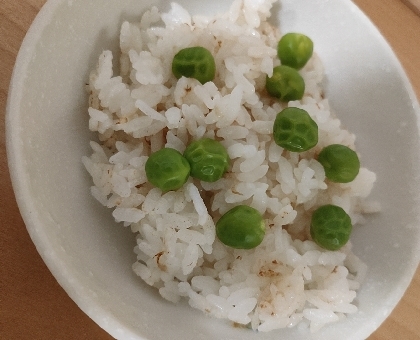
point(286, 280)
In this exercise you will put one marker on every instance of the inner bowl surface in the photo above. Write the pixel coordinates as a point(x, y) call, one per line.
point(91, 256)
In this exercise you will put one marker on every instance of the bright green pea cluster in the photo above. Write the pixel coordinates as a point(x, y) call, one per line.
point(194, 62)
point(208, 159)
point(294, 50)
point(330, 227)
point(205, 159)
point(295, 130)
point(341, 164)
point(242, 227)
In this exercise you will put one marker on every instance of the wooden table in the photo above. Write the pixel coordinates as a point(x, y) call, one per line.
point(34, 306)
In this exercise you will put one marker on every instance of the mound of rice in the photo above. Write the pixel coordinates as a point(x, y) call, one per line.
point(287, 279)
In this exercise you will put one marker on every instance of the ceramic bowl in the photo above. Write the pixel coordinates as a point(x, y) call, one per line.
point(91, 256)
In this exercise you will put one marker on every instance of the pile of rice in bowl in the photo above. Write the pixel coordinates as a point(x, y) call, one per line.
point(288, 279)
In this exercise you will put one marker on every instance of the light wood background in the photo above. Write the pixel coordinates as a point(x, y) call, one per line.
point(34, 306)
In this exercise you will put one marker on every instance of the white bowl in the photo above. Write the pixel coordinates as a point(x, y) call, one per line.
point(91, 256)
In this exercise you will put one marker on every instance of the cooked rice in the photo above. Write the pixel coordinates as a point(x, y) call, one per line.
point(287, 279)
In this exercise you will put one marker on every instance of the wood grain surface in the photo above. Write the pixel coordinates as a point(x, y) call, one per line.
point(414, 5)
point(34, 306)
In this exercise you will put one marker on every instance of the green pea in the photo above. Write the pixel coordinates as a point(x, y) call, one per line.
point(330, 227)
point(295, 130)
point(194, 62)
point(341, 164)
point(208, 159)
point(242, 227)
point(294, 50)
point(286, 84)
point(167, 169)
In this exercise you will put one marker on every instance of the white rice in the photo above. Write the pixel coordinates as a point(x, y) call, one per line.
point(287, 279)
